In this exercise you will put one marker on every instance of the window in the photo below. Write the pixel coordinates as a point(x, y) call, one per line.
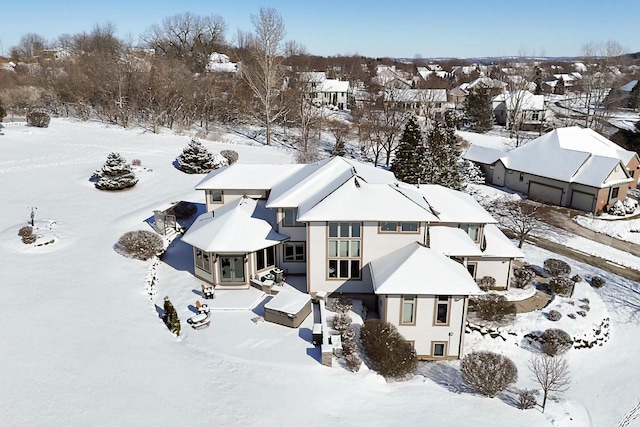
point(409, 227)
point(391, 227)
point(216, 196)
point(521, 176)
point(442, 310)
point(535, 115)
point(203, 260)
point(344, 247)
point(438, 349)
point(290, 217)
point(614, 192)
point(402, 227)
point(471, 267)
point(632, 173)
point(473, 230)
point(265, 258)
point(294, 252)
point(408, 316)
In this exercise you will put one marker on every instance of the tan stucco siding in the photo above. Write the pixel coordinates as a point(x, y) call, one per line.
point(424, 332)
point(616, 174)
point(634, 166)
point(498, 268)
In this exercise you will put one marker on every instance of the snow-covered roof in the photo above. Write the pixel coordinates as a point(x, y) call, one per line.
point(289, 301)
point(418, 270)
point(571, 154)
point(498, 245)
point(242, 226)
point(334, 85)
point(486, 82)
point(416, 95)
point(242, 176)
point(357, 200)
point(480, 154)
point(629, 86)
point(452, 241)
point(219, 62)
point(526, 99)
point(452, 206)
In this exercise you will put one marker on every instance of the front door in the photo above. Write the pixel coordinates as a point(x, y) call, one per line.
point(232, 269)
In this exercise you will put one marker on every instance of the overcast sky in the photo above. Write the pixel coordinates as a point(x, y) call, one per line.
point(375, 28)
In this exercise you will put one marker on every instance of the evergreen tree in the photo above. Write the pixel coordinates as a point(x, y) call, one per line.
point(537, 79)
point(478, 109)
point(410, 161)
point(3, 111)
point(116, 174)
point(170, 317)
point(633, 101)
point(443, 155)
point(195, 158)
point(471, 172)
point(559, 89)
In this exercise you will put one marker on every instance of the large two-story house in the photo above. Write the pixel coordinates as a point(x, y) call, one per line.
point(410, 253)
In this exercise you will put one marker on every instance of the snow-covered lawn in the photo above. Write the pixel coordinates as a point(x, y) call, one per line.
point(82, 344)
point(628, 230)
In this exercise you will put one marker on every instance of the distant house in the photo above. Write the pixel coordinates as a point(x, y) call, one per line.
point(220, 63)
point(423, 102)
point(411, 254)
point(572, 167)
point(458, 95)
point(627, 88)
point(324, 91)
point(389, 77)
point(528, 109)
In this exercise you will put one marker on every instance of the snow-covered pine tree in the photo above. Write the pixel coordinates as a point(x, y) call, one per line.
point(170, 317)
point(471, 172)
point(410, 161)
point(116, 174)
point(443, 155)
point(478, 109)
point(195, 158)
point(559, 88)
point(634, 97)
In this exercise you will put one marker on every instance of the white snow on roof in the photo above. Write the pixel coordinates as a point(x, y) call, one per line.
point(357, 200)
point(242, 226)
point(479, 154)
point(220, 62)
point(242, 176)
point(289, 300)
point(498, 245)
point(333, 85)
point(452, 241)
point(491, 141)
point(453, 206)
point(629, 86)
point(570, 154)
point(416, 95)
point(418, 270)
point(525, 99)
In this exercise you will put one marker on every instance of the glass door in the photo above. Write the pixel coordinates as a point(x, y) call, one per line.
point(232, 269)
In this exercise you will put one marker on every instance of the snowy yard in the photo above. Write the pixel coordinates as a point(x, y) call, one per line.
point(82, 344)
point(623, 229)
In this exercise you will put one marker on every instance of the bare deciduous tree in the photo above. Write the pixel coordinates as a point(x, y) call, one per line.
point(552, 373)
point(30, 45)
point(520, 216)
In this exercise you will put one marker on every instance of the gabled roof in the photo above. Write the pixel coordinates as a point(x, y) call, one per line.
point(418, 270)
point(629, 86)
point(242, 176)
point(357, 200)
point(526, 99)
point(242, 226)
point(452, 206)
point(334, 85)
point(480, 154)
point(452, 241)
point(498, 245)
point(570, 154)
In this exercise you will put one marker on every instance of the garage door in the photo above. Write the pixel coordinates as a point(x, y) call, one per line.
point(545, 193)
point(582, 201)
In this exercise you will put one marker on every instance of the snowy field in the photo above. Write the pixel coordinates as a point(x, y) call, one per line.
point(81, 343)
point(627, 229)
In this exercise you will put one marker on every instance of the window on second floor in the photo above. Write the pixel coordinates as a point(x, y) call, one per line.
point(473, 230)
point(216, 196)
point(344, 250)
point(290, 217)
point(398, 227)
point(443, 303)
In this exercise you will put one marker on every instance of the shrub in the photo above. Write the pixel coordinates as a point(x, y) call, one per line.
point(353, 362)
point(341, 304)
point(341, 322)
point(556, 267)
point(184, 210)
point(140, 244)
point(522, 276)
point(577, 278)
point(27, 230)
point(555, 341)
point(527, 398)
point(582, 313)
point(562, 286)
point(170, 317)
point(136, 162)
point(492, 307)
point(630, 205)
point(386, 350)
point(598, 282)
point(195, 158)
point(488, 373)
point(231, 156)
point(571, 315)
point(617, 209)
point(115, 174)
point(486, 283)
point(554, 315)
point(38, 119)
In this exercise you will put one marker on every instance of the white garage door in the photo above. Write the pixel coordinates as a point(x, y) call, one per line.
point(545, 193)
point(582, 201)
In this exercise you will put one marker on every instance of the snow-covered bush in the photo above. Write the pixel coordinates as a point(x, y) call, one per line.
point(598, 282)
point(38, 119)
point(231, 156)
point(562, 286)
point(184, 210)
point(522, 276)
point(353, 362)
point(486, 283)
point(492, 307)
point(630, 205)
point(115, 174)
point(341, 322)
point(617, 209)
point(195, 158)
point(527, 398)
point(554, 315)
point(387, 351)
point(341, 304)
point(488, 373)
point(555, 341)
point(576, 278)
point(140, 244)
point(26, 233)
point(556, 267)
